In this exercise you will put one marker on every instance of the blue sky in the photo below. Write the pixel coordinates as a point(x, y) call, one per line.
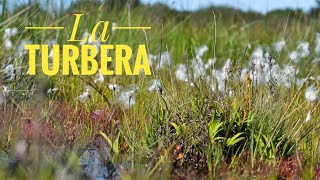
point(257, 5)
point(262, 6)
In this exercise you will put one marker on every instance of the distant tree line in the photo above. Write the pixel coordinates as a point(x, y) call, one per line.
point(119, 4)
point(109, 4)
point(315, 12)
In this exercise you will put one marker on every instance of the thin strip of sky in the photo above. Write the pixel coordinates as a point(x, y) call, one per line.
point(262, 6)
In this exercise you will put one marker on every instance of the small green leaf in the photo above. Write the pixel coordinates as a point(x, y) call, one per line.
point(214, 129)
point(115, 146)
point(234, 140)
point(106, 138)
point(176, 127)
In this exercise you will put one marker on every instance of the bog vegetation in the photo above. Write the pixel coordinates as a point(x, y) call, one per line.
point(231, 95)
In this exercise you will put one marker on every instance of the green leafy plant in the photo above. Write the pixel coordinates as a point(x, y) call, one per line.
point(180, 129)
point(235, 139)
point(114, 144)
point(214, 129)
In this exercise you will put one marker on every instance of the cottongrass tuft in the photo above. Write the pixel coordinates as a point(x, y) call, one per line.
point(99, 77)
point(155, 85)
point(201, 51)
point(84, 96)
point(308, 118)
point(181, 73)
point(278, 46)
point(52, 90)
point(127, 98)
point(8, 33)
point(303, 49)
point(311, 94)
point(9, 72)
point(114, 87)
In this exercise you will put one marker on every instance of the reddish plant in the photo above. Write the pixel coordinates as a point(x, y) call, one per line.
point(40, 132)
point(289, 168)
point(317, 173)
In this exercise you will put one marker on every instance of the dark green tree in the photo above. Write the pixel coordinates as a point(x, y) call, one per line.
point(315, 11)
point(119, 4)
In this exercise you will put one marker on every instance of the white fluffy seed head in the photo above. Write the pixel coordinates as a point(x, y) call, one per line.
point(308, 118)
point(311, 94)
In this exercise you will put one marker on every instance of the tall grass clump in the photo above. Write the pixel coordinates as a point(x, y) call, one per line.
point(232, 94)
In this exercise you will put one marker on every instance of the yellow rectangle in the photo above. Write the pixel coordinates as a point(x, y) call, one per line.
point(133, 28)
point(44, 28)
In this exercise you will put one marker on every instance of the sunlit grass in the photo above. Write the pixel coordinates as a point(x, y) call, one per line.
point(255, 130)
